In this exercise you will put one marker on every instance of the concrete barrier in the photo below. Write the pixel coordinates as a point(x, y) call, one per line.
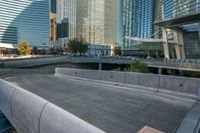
point(91, 74)
point(34, 62)
point(5, 72)
point(190, 123)
point(6, 92)
point(181, 85)
point(148, 80)
point(113, 76)
point(63, 121)
point(26, 111)
point(29, 113)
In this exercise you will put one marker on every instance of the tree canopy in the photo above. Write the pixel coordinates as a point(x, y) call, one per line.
point(117, 50)
point(137, 66)
point(78, 46)
point(24, 48)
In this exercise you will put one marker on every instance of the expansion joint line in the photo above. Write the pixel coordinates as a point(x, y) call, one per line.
point(41, 116)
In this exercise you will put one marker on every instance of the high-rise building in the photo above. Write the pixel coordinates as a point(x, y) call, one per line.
point(25, 21)
point(53, 6)
point(66, 9)
point(100, 23)
point(53, 28)
point(179, 25)
point(137, 17)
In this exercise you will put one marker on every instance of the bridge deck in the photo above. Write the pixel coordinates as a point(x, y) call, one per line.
point(113, 109)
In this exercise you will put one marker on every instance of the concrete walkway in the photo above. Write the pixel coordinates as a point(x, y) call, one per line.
point(113, 109)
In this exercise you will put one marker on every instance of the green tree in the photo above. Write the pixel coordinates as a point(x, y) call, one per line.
point(1, 65)
point(78, 46)
point(24, 48)
point(83, 46)
point(117, 50)
point(137, 66)
point(35, 50)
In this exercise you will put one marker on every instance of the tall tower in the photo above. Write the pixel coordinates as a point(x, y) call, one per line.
point(137, 19)
point(66, 10)
point(25, 23)
point(100, 21)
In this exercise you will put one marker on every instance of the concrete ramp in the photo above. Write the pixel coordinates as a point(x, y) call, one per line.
point(30, 113)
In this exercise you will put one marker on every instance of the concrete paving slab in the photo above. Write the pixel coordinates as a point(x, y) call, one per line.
point(113, 109)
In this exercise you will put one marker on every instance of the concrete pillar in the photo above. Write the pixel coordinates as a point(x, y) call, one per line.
point(182, 49)
point(148, 54)
point(100, 66)
point(181, 73)
point(178, 52)
point(160, 71)
point(157, 54)
point(177, 47)
point(165, 43)
point(181, 43)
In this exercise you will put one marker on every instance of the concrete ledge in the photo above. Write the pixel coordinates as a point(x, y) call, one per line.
point(6, 92)
point(191, 123)
point(187, 87)
point(34, 62)
point(7, 72)
point(26, 111)
point(29, 113)
point(63, 122)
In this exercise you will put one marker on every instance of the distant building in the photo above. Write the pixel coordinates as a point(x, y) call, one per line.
point(21, 22)
point(66, 10)
point(99, 50)
point(53, 28)
point(180, 27)
point(137, 17)
point(162, 28)
point(53, 6)
point(100, 22)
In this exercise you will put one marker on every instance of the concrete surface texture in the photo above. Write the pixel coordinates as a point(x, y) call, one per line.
point(34, 62)
point(30, 113)
point(6, 72)
point(114, 109)
point(185, 86)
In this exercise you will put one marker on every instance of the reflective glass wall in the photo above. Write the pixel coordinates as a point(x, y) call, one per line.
point(25, 20)
point(137, 19)
point(178, 8)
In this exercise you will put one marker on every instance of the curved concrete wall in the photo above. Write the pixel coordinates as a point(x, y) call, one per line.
point(29, 113)
point(181, 85)
point(4, 72)
point(34, 62)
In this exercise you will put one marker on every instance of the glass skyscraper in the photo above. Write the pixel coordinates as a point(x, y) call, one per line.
point(100, 22)
point(25, 21)
point(176, 11)
point(137, 18)
point(53, 6)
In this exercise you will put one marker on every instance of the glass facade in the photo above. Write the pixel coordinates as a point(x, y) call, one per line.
point(67, 10)
point(137, 19)
point(25, 21)
point(178, 8)
point(53, 6)
point(100, 25)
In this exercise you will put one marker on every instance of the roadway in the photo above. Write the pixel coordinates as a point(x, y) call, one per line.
point(112, 108)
